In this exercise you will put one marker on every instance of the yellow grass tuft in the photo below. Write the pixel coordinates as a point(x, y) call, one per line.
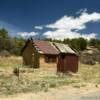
point(35, 80)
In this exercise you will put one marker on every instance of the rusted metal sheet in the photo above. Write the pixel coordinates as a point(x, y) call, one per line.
point(46, 47)
point(67, 62)
point(64, 48)
point(60, 65)
point(71, 63)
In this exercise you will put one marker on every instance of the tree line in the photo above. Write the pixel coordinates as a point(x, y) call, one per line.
point(14, 45)
point(79, 44)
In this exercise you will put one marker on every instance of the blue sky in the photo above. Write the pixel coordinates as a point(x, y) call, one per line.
point(40, 18)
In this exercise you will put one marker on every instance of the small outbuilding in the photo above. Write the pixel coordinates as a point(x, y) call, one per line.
point(67, 59)
point(39, 53)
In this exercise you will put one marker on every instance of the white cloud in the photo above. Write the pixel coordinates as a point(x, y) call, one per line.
point(65, 26)
point(69, 22)
point(61, 34)
point(38, 27)
point(68, 26)
point(81, 11)
point(26, 34)
point(89, 36)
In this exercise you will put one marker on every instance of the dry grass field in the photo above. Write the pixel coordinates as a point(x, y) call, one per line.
point(36, 80)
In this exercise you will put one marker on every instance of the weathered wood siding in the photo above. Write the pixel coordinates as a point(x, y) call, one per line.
point(30, 56)
point(67, 62)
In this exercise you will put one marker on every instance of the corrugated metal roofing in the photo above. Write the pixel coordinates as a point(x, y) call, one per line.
point(45, 47)
point(63, 48)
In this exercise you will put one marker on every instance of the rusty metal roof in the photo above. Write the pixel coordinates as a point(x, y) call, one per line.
point(45, 47)
point(63, 48)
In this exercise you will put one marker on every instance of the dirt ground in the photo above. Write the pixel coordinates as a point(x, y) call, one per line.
point(68, 87)
point(61, 93)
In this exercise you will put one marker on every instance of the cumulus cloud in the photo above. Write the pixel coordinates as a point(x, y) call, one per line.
point(27, 34)
point(38, 27)
point(81, 11)
point(79, 23)
point(68, 26)
point(61, 34)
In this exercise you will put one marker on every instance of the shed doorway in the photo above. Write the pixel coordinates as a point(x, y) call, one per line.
point(71, 63)
point(60, 63)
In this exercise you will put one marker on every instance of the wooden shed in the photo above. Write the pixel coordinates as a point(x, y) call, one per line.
point(39, 53)
point(67, 59)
